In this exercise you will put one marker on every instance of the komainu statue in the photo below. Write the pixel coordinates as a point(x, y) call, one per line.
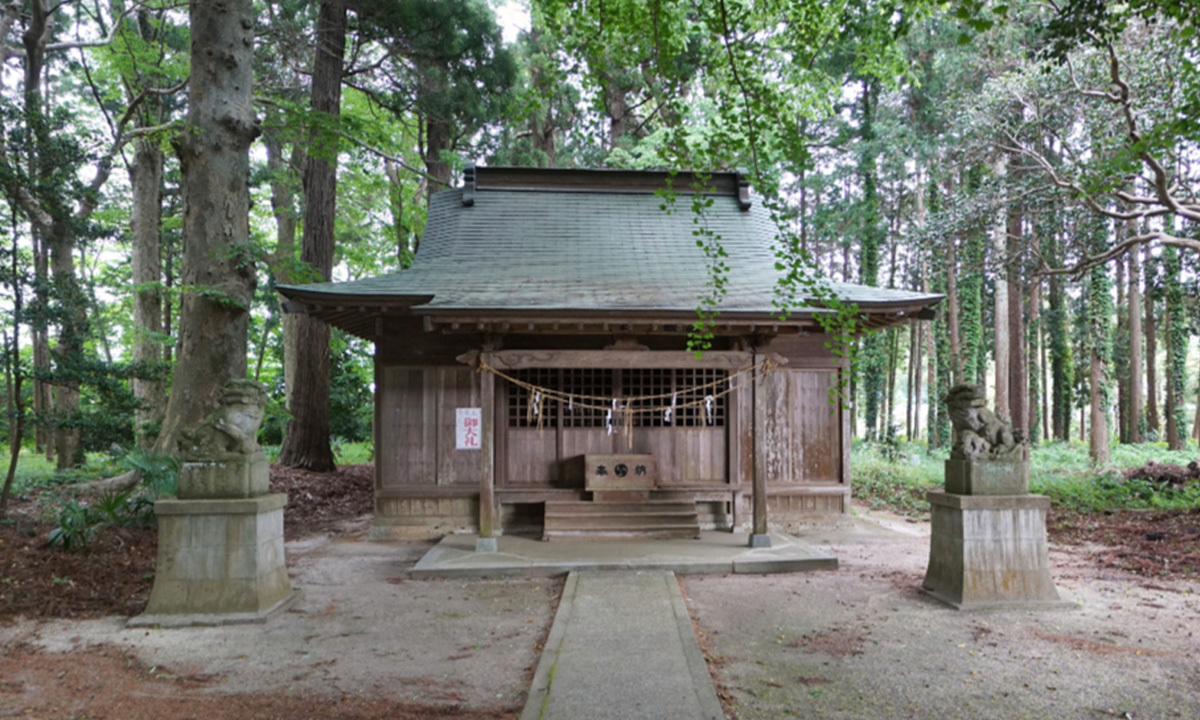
point(230, 430)
point(978, 433)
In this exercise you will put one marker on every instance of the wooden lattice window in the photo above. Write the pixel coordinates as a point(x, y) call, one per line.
point(687, 385)
point(581, 382)
point(521, 402)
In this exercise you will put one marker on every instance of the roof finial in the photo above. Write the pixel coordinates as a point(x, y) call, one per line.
point(743, 190)
point(468, 191)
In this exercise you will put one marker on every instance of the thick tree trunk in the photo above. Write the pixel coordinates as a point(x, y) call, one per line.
point(146, 181)
point(307, 443)
point(217, 275)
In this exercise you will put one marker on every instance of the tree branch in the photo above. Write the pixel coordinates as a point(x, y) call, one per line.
point(1119, 249)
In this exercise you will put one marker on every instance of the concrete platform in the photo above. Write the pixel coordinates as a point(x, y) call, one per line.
point(622, 647)
point(714, 552)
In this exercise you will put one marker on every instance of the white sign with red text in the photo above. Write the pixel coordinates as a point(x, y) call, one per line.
point(467, 428)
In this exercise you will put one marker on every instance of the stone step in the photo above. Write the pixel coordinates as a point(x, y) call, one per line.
point(651, 519)
point(646, 533)
point(652, 507)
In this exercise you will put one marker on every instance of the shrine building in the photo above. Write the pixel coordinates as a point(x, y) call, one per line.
point(532, 373)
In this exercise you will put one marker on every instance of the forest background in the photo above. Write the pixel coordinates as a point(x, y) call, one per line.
point(1034, 162)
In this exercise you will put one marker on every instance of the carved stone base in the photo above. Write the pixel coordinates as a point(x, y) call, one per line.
point(990, 552)
point(240, 476)
point(987, 477)
point(218, 561)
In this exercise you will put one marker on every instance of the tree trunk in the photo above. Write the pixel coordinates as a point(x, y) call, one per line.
point(1136, 373)
point(912, 379)
point(1098, 437)
point(68, 351)
point(956, 358)
point(1000, 248)
point(283, 207)
point(1121, 356)
point(1035, 373)
point(437, 139)
point(217, 276)
point(145, 176)
point(1170, 398)
point(307, 443)
point(1018, 364)
point(1176, 327)
point(1152, 422)
point(931, 369)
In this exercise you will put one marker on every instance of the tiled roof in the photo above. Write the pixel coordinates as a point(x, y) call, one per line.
point(547, 250)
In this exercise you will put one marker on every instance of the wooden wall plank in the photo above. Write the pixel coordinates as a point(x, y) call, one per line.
point(818, 420)
point(407, 430)
point(530, 458)
point(802, 433)
point(458, 388)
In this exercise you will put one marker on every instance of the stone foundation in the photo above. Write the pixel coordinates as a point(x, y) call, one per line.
point(219, 561)
point(990, 551)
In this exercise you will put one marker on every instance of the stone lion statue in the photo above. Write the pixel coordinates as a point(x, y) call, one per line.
point(978, 433)
point(231, 429)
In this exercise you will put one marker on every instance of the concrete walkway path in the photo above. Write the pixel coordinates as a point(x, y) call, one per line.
point(622, 646)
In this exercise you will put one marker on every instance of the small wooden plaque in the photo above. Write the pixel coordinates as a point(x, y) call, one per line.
point(607, 473)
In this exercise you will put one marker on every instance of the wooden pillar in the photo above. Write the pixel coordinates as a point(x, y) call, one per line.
point(759, 536)
point(488, 517)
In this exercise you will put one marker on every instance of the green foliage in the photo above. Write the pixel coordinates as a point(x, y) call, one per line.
point(160, 473)
point(351, 404)
point(75, 527)
point(36, 474)
point(896, 478)
point(77, 524)
point(353, 453)
point(1110, 491)
point(1060, 470)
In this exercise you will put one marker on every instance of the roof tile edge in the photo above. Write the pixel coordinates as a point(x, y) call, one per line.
point(480, 178)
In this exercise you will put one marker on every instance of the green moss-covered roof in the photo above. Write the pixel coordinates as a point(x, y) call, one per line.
point(540, 249)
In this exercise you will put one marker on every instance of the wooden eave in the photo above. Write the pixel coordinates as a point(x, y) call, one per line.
point(359, 315)
point(363, 315)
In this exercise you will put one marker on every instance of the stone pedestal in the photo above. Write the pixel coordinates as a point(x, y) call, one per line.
point(219, 561)
point(990, 551)
point(239, 476)
point(987, 477)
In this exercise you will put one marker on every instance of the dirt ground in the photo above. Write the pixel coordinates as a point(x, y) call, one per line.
point(368, 642)
point(863, 642)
